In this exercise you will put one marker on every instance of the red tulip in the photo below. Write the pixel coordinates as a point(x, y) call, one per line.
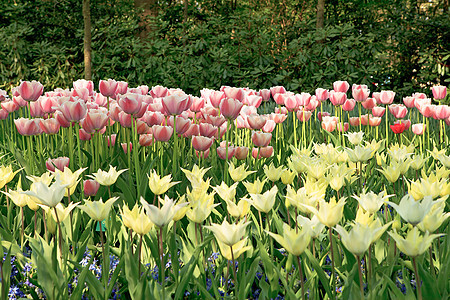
point(398, 128)
point(90, 187)
point(30, 91)
point(406, 122)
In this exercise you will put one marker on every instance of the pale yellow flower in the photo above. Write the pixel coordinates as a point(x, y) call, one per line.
point(294, 241)
point(272, 173)
point(98, 210)
point(239, 173)
point(164, 215)
point(329, 213)
point(264, 202)
point(159, 185)
point(358, 239)
point(414, 244)
point(226, 192)
point(255, 187)
point(107, 178)
point(229, 234)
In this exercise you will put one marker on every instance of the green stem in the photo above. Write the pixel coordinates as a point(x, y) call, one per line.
point(175, 146)
point(80, 158)
point(361, 287)
point(418, 283)
point(70, 138)
point(333, 275)
point(135, 156)
point(302, 284)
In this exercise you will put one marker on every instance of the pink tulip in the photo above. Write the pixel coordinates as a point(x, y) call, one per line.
point(442, 112)
point(3, 95)
point(216, 97)
point(125, 119)
point(158, 91)
point(369, 103)
point(277, 90)
point(234, 93)
point(108, 87)
point(48, 104)
point(338, 98)
point(81, 93)
point(349, 105)
point(252, 100)
point(86, 84)
point(36, 109)
point(153, 118)
point(197, 104)
point(248, 110)
point(398, 110)
point(28, 127)
point(222, 153)
point(3, 114)
point(74, 111)
point(241, 122)
point(269, 126)
point(341, 86)
point(121, 88)
point(419, 103)
point(230, 108)
point(265, 95)
point(313, 104)
point(61, 119)
point(387, 97)
point(364, 120)
point(146, 140)
point(84, 136)
point(360, 93)
point(322, 94)
point(130, 103)
point(290, 102)
point(419, 96)
point(427, 110)
point(125, 148)
point(90, 187)
point(303, 99)
point(255, 152)
point(378, 111)
point(59, 163)
point(30, 91)
point(406, 122)
point(376, 96)
point(322, 114)
point(439, 92)
point(202, 154)
point(162, 133)
point(303, 115)
point(278, 118)
point(9, 106)
point(266, 152)
point(111, 140)
point(353, 121)
point(409, 102)
point(201, 143)
point(207, 130)
point(374, 121)
point(175, 105)
point(19, 101)
point(182, 124)
point(282, 110)
point(447, 121)
point(418, 129)
point(261, 139)
point(215, 120)
point(241, 153)
point(194, 129)
point(100, 99)
point(256, 122)
point(339, 127)
point(49, 126)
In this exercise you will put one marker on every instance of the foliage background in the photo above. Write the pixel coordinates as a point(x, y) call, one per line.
point(401, 45)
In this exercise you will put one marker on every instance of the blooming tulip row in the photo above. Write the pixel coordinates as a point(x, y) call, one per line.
point(295, 218)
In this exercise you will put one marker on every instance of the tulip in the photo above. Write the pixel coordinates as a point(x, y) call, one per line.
point(255, 187)
point(136, 220)
point(358, 239)
point(369, 103)
point(253, 100)
point(202, 205)
point(30, 91)
point(9, 106)
point(241, 153)
point(372, 202)
point(338, 98)
point(108, 87)
point(413, 211)
point(329, 123)
point(439, 92)
point(414, 244)
point(60, 163)
point(398, 128)
point(227, 193)
point(442, 112)
point(287, 176)
point(158, 91)
point(303, 116)
point(398, 111)
point(418, 129)
point(256, 122)
point(230, 108)
point(221, 152)
point(360, 93)
point(28, 127)
point(277, 90)
point(354, 121)
point(329, 213)
point(387, 97)
point(355, 137)
point(164, 215)
point(409, 102)
point(162, 133)
point(130, 103)
point(48, 195)
point(73, 111)
point(107, 178)
point(378, 111)
point(313, 226)
point(49, 126)
point(82, 83)
point(261, 139)
point(295, 242)
point(232, 253)
point(228, 234)
point(201, 143)
point(175, 105)
point(234, 93)
point(264, 202)
point(98, 210)
point(272, 173)
point(349, 105)
point(239, 173)
point(159, 185)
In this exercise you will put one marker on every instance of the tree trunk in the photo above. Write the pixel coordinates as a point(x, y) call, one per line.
point(150, 9)
point(87, 40)
point(320, 13)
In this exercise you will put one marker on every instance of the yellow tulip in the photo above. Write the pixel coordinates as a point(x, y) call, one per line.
point(301, 196)
point(182, 211)
point(414, 244)
point(298, 163)
point(229, 234)
point(196, 175)
point(413, 211)
point(329, 213)
point(129, 216)
point(68, 177)
point(316, 168)
point(337, 174)
point(355, 137)
point(107, 178)
point(48, 195)
point(435, 217)
point(375, 145)
point(418, 161)
point(272, 173)
point(238, 249)
point(364, 217)
point(164, 215)
point(98, 210)
point(238, 210)
point(294, 241)
point(381, 159)
point(226, 192)
point(45, 178)
point(313, 225)
point(399, 154)
point(316, 187)
point(256, 187)
point(359, 154)
point(18, 197)
point(426, 186)
point(436, 153)
point(239, 173)
point(63, 212)
point(159, 185)
point(445, 190)
point(264, 202)
point(444, 159)
point(392, 171)
point(378, 229)
point(287, 176)
point(358, 239)
point(201, 206)
point(323, 148)
point(372, 202)
point(441, 173)
point(6, 175)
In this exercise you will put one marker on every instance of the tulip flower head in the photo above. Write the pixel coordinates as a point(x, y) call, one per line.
point(48, 195)
point(413, 211)
point(264, 202)
point(272, 173)
point(255, 187)
point(159, 185)
point(357, 240)
point(435, 217)
point(294, 241)
point(372, 202)
point(355, 137)
point(228, 234)
point(98, 210)
point(18, 197)
point(414, 244)
point(164, 215)
point(329, 213)
point(239, 173)
point(6, 175)
point(107, 178)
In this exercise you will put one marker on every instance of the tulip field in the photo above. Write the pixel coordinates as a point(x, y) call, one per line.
point(114, 192)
